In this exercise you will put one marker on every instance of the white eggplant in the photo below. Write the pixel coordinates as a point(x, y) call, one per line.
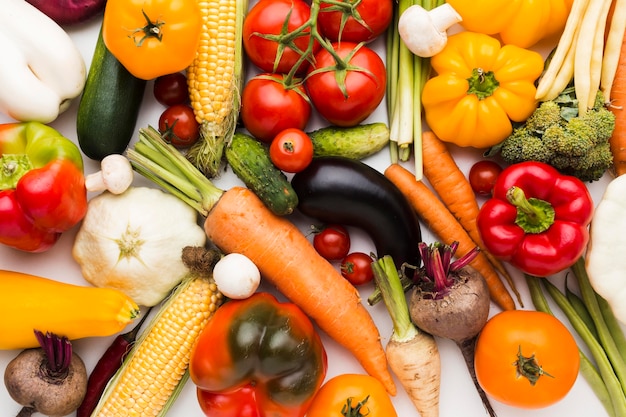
point(42, 69)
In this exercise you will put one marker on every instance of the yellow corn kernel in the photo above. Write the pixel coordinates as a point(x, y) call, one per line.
point(215, 73)
point(147, 382)
point(215, 80)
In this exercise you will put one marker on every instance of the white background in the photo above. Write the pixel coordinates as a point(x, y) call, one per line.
point(458, 396)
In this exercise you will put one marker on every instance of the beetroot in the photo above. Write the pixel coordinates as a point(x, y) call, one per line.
point(451, 300)
point(48, 380)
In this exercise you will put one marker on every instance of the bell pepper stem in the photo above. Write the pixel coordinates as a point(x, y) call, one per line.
point(533, 215)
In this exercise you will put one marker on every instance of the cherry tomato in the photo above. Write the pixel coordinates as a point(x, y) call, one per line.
point(178, 125)
point(241, 403)
point(483, 175)
point(332, 242)
point(268, 107)
point(291, 150)
point(513, 337)
point(365, 22)
point(365, 87)
point(268, 17)
point(341, 395)
point(171, 89)
point(357, 268)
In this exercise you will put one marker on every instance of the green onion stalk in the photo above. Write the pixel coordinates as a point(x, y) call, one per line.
point(406, 75)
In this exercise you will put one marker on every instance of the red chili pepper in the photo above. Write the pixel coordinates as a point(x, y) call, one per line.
point(42, 186)
point(107, 366)
point(537, 219)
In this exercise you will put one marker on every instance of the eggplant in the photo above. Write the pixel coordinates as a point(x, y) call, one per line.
point(349, 192)
point(69, 12)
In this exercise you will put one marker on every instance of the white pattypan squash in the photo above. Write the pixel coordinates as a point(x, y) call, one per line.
point(133, 242)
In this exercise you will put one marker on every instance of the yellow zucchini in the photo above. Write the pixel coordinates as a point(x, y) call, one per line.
point(29, 302)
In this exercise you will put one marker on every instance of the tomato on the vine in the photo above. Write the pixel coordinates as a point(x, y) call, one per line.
point(365, 22)
point(291, 150)
point(483, 175)
point(178, 125)
point(171, 89)
point(264, 22)
point(332, 242)
point(526, 359)
point(364, 78)
point(357, 268)
point(352, 395)
point(268, 106)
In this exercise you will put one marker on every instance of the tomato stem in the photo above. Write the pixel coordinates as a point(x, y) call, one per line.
point(150, 30)
point(349, 411)
point(528, 367)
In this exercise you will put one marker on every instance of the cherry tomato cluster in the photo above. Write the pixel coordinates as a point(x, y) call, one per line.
point(177, 123)
point(333, 243)
point(300, 67)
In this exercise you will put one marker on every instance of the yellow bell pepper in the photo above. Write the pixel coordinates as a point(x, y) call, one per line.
point(480, 86)
point(518, 22)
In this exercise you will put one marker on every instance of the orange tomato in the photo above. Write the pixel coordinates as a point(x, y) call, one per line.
point(151, 38)
point(537, 339)
point(352, 395)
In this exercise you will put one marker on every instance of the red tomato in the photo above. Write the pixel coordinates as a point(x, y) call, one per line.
point(483, 175)
point(268, 17)
point(291, 150)
point(240, 404)
point(171, 89)
point(332, 242)
point(178, 125)
point(268, 107)
point(365, 80)
point(365, 22)
point(357, 268)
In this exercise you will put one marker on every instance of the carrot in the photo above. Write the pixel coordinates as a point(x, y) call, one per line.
point(618, 104)
point(412, 353)
point(442, 223)
point(238, 221)
point(455, 191)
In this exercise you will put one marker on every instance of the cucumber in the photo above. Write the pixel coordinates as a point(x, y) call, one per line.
point(250, 161)
point(355, 142)
point(109, 106)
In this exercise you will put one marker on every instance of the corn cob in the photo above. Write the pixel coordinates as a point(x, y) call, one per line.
point(155, 371)
point(215, 80)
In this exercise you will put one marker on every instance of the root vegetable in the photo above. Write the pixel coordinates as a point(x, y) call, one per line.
point(451, 300)
point(48, 380)
point(413, 355)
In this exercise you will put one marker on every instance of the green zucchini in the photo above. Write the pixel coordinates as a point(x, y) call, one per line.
point(109, 106)
point(356, 142)
point(250, 161)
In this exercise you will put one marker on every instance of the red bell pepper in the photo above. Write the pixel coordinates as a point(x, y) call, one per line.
point(42, 186)
point(258, 357)
point(537, 218)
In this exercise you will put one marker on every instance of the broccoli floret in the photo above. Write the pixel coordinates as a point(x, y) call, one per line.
point(602, 121)
point(547, 114)
point(574, 139)
point(523, 146)
point(555, 134)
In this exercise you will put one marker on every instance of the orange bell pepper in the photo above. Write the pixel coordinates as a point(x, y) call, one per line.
point(479, 88)
point(518, 22)
point(151, 38)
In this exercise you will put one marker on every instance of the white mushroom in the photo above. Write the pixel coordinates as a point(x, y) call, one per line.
point(424, 31)
point(236, 276)
point(115, 175)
